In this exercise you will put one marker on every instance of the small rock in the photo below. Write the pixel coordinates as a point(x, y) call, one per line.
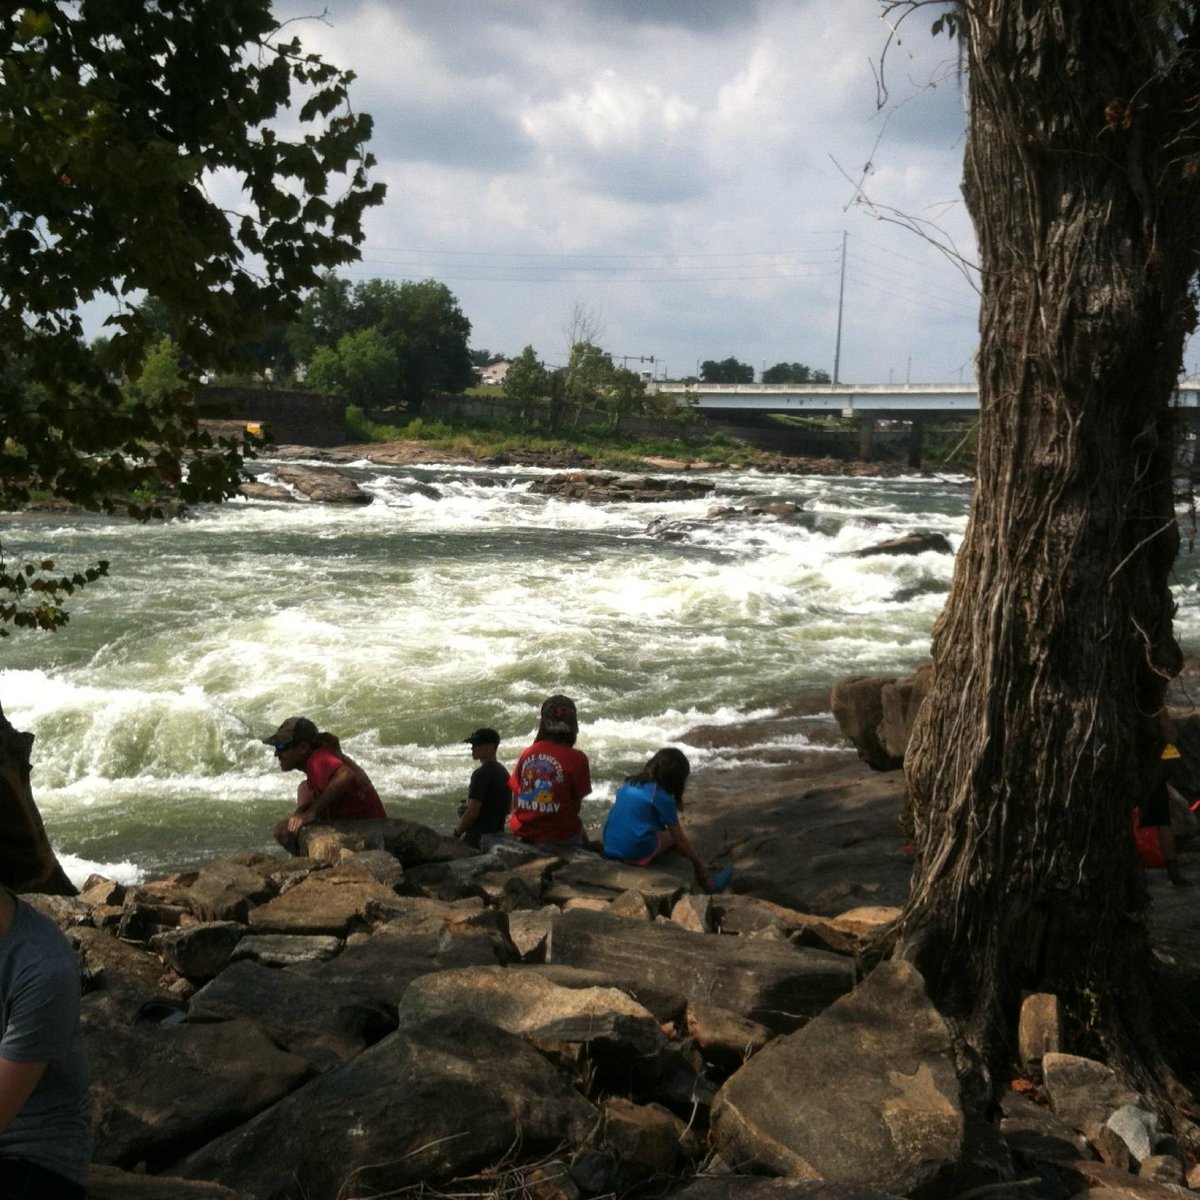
point(1040, 1030)
point(693, 912)
point(1162, 1168)
point(1137, 1128)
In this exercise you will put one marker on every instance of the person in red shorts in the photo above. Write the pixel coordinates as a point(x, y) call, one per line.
point(335, 787)
point(550, 779)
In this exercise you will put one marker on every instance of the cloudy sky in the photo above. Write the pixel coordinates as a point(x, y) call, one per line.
point(684, 170)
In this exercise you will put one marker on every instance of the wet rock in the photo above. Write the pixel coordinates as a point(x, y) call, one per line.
point(322, 484)
point(781, 986)
point(423, 1105)
point(867, 1093)
point(253, 489)
point(599, 487)
point(912, 543)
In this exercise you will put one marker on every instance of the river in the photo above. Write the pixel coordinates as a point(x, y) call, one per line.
point(455, 599)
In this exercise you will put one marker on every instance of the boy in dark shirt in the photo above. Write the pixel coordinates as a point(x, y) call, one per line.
point(488, 797)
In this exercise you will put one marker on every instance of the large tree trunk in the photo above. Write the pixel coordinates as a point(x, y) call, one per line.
point(1055, 646)
point(27, 863)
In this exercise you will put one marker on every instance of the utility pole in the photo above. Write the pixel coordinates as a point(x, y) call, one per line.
point(837, 350)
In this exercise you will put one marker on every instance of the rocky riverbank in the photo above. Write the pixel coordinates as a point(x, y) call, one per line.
point(395, 1014)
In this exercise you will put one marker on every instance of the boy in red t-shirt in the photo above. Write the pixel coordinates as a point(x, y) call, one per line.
point(550, 779)
point(335, 788)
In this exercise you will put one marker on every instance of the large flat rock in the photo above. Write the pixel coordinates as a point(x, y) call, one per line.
point(778, 985)
point(866, 1094)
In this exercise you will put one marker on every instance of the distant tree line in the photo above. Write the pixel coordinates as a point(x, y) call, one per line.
point(730, 370)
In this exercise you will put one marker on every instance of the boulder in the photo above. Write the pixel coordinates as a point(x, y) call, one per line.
point(228, 890)
point(200, 951)
point(424, 1105)
point(867, 1093)
point(1137, 1128)
point(1084, 1092)
point(723, 1038)
point(113, 966)
point(301, 1015)
point(287, 950)
point(252, 489)
point(327, 902)
point(780, 986)
point(877, 714)
point(693, 912)
point(645, 1141)
point(323, 484)
point(162, 1090)
point(600, 487)
point(909, 543)
point(533, 1006)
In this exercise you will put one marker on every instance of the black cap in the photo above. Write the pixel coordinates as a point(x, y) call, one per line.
point(484, 737)
point(294, 729)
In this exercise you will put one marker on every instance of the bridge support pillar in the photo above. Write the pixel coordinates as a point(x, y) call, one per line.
point(866, 439)
point(916, 435)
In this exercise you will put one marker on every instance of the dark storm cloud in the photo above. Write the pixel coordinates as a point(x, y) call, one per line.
point(700, 16)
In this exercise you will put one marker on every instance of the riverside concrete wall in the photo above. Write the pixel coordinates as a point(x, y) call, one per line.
point(288, 417)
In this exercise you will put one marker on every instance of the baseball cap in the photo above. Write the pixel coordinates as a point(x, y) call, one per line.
point(294, 729)
point(483, 737)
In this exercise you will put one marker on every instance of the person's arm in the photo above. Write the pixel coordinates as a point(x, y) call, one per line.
point(341, 780)
point(469, 817)
point(684, 845)
point(17, 1081)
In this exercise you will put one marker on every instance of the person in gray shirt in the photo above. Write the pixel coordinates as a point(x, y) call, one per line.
point(45, 1128)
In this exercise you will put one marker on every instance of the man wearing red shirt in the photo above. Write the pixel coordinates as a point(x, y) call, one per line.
point(335, 788)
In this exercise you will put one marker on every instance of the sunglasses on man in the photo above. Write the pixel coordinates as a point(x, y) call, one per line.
point(280, 747)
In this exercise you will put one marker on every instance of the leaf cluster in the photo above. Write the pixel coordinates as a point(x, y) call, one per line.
point(36, 594)
point(122, 122)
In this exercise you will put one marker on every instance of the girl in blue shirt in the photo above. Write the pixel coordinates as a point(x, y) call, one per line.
point(644, 820)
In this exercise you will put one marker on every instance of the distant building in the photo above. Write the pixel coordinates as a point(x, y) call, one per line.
point(494, 373)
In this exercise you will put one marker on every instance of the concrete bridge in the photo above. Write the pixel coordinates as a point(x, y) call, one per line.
point(875, 400)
